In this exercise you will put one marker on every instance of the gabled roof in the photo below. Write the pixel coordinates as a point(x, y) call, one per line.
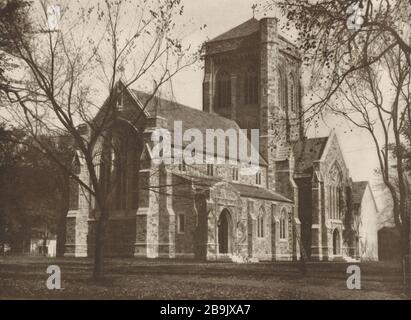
point(191, 118)
point(244, 190)
point(358, 189)
point(307, 151)
point(243, 30)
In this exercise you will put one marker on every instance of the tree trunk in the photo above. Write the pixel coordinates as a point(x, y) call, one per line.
point(61, 233)
point(98, 272)
point(406, 255)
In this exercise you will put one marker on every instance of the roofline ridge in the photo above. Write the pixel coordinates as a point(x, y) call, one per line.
point(215, 39)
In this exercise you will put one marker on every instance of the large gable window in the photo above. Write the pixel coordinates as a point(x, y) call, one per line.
point(119, 168)
point(223, 90)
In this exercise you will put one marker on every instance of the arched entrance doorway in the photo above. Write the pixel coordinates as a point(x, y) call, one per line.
point(224, 232)
point(336, 242)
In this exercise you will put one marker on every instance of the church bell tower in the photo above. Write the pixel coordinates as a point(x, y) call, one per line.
point(252, 75)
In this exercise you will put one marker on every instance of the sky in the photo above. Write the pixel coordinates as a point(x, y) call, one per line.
point(222, 15)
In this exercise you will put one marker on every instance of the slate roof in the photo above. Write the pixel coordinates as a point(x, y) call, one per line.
point(190, 117)
point(358, 189)
point(244, 190)
point(306, 152)
point(259, 193)
point(243, 30)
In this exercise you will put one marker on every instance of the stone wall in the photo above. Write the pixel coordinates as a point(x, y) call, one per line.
point(77, 218)
point(184, 204)
point(320, 229)
point(152, 230)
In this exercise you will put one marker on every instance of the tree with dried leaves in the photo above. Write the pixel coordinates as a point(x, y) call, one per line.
point(359, 56)
point(34, 193)
point(77, 53)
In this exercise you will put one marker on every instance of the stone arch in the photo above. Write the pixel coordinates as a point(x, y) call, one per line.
point(225, 232)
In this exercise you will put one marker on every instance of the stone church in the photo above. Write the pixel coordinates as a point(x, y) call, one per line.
point(297, 205)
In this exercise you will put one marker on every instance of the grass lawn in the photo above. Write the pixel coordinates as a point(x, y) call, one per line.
point(25, 277)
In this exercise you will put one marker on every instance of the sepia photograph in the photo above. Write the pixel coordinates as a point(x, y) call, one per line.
point(220, 151)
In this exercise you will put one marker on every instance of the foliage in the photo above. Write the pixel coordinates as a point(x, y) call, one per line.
point(12, 12)
point(72, 64)
point(359, 53)
point(33, 191)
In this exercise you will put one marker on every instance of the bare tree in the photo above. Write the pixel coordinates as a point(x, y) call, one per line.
point(358, 53)
point(377, 103)
point(78, 53)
